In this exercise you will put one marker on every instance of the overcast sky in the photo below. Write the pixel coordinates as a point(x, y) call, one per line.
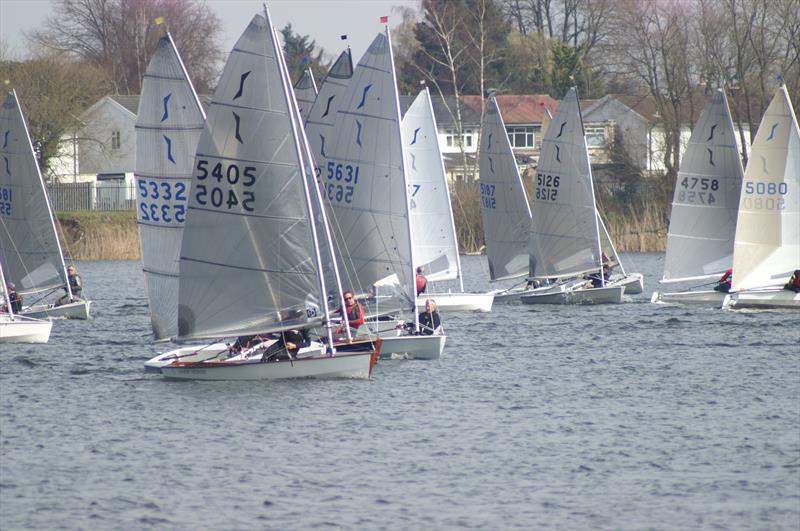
point(323, 20)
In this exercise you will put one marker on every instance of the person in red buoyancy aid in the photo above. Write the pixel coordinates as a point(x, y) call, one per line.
point(422, 282)
point(355, 312)
point(794, 282)
point(724, 282)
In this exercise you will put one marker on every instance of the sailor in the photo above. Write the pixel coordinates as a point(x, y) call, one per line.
point(14, 298)
point(794, 282)
point(355, 312)
point(429, 321)
point(724, 282)
point(75, 285)
point(422, 282)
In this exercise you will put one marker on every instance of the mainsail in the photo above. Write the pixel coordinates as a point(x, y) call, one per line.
point(168, 127)
point(31, 254)
point(434, 237)
point(249, 259)
point(767, 244)
point(504, 204)
point(364, 182)
point(706, 199)
point(305, 90)
point(564, 230)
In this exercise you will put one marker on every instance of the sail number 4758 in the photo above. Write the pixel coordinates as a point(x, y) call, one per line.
point(229, 178)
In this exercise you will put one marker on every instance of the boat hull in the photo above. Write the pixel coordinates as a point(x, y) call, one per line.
point(605, 295)
point(193, 353)
point(413, 347)
point(73, 310)
point(709, 298)
point(459, 302)
point(16, 329)
point(767, 298)
point(633, 283)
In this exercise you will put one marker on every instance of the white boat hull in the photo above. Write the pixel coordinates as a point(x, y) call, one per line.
point(459, 302)
point(356, 365)
point(191, 353)
point(413, 347)
point(633, 283)
point(73, 310)
point(605, 295)
point(766, 298)
point(17, 329)
point(705, 298)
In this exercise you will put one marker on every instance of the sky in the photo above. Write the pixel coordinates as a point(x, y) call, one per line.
point(322, 20)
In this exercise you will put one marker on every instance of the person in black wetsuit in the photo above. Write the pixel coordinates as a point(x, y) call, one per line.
point(429, 320)
point(794, 282)
point(287, 346)
point(724, 282)
point(75, 285)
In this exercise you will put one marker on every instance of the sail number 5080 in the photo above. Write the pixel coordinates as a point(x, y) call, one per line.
point(223, 192)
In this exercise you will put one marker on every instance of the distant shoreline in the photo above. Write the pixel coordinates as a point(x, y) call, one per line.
point(99, 235)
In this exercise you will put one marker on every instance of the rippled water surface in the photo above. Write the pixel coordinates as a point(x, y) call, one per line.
point(631, 416)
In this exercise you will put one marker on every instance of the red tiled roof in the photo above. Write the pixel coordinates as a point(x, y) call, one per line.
point(519, 109)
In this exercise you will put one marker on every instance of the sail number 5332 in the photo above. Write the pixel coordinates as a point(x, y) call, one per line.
point(230, 188)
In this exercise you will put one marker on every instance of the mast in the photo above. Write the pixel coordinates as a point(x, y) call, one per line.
point(5, 291)
point(303, 149)
point(413, 276)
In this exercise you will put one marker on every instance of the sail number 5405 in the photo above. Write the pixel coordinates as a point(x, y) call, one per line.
point(229, 178)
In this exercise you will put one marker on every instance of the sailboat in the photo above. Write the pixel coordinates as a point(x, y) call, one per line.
point(505, 211)
point(168, 127)
point(704, 207)
point(565, 241)
point(31, 253)
point(305, 90)
point(365, 182)
point(434, 237)
point(250, 256)
point(19, 328)
point(766, 248)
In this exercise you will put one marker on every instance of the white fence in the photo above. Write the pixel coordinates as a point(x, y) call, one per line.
point(100, 195)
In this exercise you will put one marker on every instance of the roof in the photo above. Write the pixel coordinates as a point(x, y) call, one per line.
point(131, 101)
point(516, 109)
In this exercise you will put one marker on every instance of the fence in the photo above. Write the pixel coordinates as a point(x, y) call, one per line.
point(100, 195)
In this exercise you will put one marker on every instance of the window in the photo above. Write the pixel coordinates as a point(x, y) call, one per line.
point(115, 140)
point(521, 136)
point(595, 136)
point(449, 138)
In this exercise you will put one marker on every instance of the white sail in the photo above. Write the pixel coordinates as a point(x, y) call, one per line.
point(364, 182)
point(564, 231)
point(767, 246)
point(249, 259)
point(31, 254)
point(305, 90)
point(504, 204)
point(168, 127)
point(434, 237)
point(706, 199)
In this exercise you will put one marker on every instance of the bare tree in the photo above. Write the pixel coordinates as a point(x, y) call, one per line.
point(119, 36)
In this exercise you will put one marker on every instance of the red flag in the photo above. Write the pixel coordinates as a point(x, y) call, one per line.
point(384, 20)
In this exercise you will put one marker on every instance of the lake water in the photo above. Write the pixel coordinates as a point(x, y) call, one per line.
point(631, 416)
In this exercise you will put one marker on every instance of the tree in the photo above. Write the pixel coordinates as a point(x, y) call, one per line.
point(54, 89)
point(300, 53)
point(119, 36)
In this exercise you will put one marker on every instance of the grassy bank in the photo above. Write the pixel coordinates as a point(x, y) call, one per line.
point(96, 235)
point(636, 224)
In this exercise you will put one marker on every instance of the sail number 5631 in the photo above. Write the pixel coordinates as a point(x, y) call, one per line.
point(341, 183)
point(229, 178)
